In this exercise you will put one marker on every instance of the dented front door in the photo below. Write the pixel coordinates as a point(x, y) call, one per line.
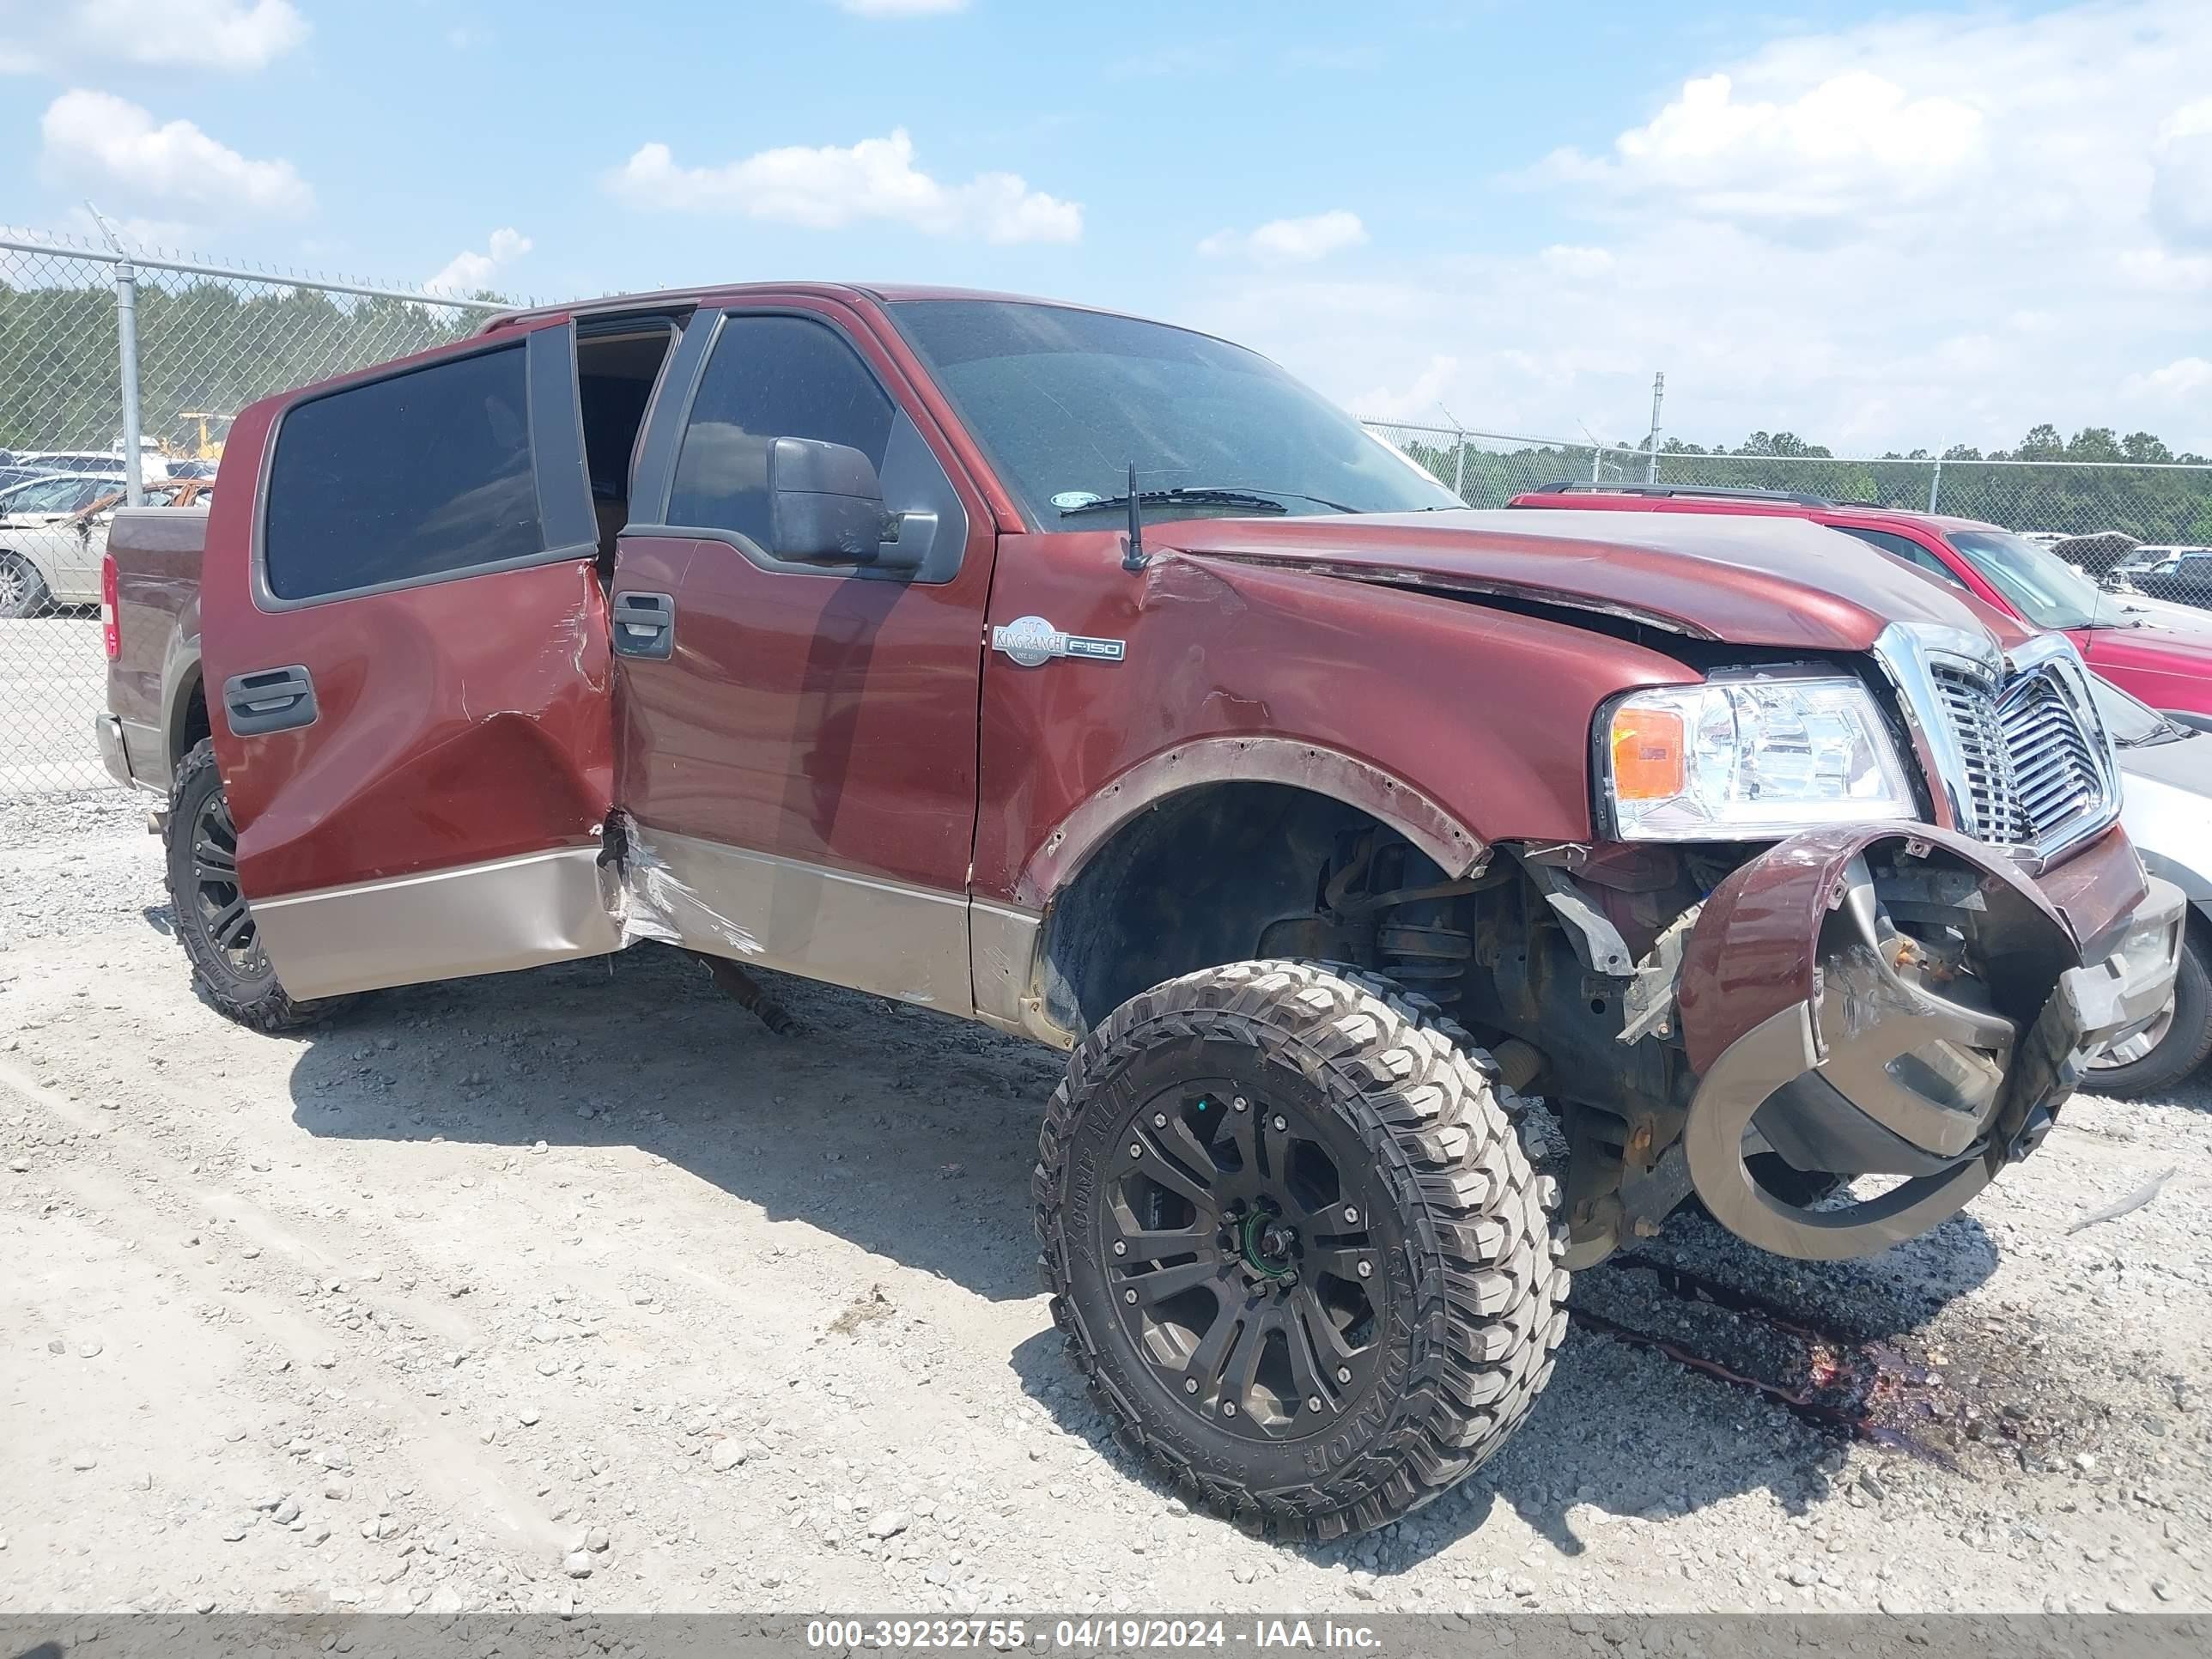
point(406, 666)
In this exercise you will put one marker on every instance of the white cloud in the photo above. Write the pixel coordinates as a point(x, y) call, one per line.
point(1826, 150)
point(1579, 264)
point(1290, 242)
point(1415, 402)
point(901, 8)
point(833, 186)
point(468, 271)
point(237, 35)
point(2185, 377)
point(2181, 180)
point(1925, 230)
point(98, 140)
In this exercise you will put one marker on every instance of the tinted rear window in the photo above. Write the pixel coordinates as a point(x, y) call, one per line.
point(416, 477)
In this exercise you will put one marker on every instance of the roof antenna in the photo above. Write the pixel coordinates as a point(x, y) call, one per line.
point(1133, 544)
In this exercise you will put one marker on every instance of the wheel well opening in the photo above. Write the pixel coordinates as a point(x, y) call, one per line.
point(1217, 873)
point(193, 727)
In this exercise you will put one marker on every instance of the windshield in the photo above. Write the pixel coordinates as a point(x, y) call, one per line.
point(1066, 401)
point(2042, 588)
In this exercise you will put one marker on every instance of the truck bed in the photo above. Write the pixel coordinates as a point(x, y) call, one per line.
point(154, 707)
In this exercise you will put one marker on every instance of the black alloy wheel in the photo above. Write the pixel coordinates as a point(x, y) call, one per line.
point(1240, 1239)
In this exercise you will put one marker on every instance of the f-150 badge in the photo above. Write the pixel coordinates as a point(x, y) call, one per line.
point(1032, 642)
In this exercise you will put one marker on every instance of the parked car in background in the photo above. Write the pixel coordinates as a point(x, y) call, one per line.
point(2159, 651)
point(2097, 555)
point(152, 464)
point(193, 469)
point(11, 476)
point(53, 559)
point(2180, 575)
point(2167, 775)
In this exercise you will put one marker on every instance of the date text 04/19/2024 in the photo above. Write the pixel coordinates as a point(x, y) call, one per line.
point(1088, 1635)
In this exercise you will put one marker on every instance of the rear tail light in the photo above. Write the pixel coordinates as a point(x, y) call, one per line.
point(111, 620)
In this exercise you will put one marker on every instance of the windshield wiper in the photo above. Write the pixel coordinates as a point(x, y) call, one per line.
point(1195, 497)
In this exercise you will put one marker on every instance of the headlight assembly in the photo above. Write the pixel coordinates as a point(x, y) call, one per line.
point(1751, 758)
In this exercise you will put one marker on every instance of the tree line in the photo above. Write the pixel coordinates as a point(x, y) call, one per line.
point(204, 347)
point(2108, 488)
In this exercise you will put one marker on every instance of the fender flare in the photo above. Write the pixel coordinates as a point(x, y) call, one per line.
point(180, 676)
point(1456, 849)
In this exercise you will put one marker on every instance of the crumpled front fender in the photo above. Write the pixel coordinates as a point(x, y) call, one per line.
point(1822, 1030)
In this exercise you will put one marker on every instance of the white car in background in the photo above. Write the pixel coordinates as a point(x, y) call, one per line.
point(53, 534)
point(2165, 770)
point(152, 466)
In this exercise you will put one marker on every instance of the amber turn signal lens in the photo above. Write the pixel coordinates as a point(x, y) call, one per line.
point(1650, 756)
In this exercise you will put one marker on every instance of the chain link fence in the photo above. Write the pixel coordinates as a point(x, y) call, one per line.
point(103, 358)
point(2137, 529)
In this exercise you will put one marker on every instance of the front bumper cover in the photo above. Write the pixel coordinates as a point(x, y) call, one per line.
point(1823, 1031)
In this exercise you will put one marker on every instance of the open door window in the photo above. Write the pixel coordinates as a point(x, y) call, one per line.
point(406, 658)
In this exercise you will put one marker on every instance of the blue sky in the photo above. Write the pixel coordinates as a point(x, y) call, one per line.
point(1885, 226)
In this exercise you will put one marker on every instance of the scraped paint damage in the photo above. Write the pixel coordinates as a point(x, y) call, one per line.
point(647, 901)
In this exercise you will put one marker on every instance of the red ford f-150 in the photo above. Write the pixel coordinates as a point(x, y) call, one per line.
point(1323, 821)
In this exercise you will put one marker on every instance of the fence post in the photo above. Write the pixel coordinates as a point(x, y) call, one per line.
point(1459, 464)
point(126, 342)
point(1935, 482)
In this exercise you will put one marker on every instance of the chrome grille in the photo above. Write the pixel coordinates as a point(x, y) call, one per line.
point(1970, 705)
point(2055, 775)
point(2030, 767)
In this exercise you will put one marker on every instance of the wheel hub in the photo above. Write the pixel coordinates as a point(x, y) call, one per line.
point(1268, 1246)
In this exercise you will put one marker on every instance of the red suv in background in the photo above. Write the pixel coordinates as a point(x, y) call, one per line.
point(2159, 652)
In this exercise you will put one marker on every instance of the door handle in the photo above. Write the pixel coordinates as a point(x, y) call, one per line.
point(645, 625)
point(271, 700)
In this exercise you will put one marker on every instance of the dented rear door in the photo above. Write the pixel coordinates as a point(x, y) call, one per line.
point(406, 661)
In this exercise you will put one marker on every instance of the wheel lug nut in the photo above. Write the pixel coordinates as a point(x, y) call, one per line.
point(1120, 1248)
point(1366, 1269)
point(1128, 1295)
point(1190, 1385)
point(1136, 1148)
point(1314, 1404)
point(1350, 1213)
point(1343, 1373)
point(1159, 1120)
point(1240, 1103)
point(1229, 1408)
point(1282, 1123)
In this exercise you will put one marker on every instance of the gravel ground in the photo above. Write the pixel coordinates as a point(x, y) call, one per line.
point(579, 1290)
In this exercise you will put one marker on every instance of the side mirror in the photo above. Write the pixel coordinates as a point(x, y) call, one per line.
point(825, 506)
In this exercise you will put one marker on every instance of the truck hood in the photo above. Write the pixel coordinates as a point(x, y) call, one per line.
point(1771, 581)
point(2148, 636)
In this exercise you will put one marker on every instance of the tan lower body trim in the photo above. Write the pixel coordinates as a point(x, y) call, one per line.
point(479, 918)
point(908, 943)
point(888, 938)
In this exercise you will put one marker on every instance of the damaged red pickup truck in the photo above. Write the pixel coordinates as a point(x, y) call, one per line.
point(1323, 820)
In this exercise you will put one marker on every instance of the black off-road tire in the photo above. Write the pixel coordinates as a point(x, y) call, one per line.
point(1465, 1313)
point(238, 981)
point(2186, 1041)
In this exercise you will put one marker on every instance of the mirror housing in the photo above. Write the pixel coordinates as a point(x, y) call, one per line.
point(825, 506)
